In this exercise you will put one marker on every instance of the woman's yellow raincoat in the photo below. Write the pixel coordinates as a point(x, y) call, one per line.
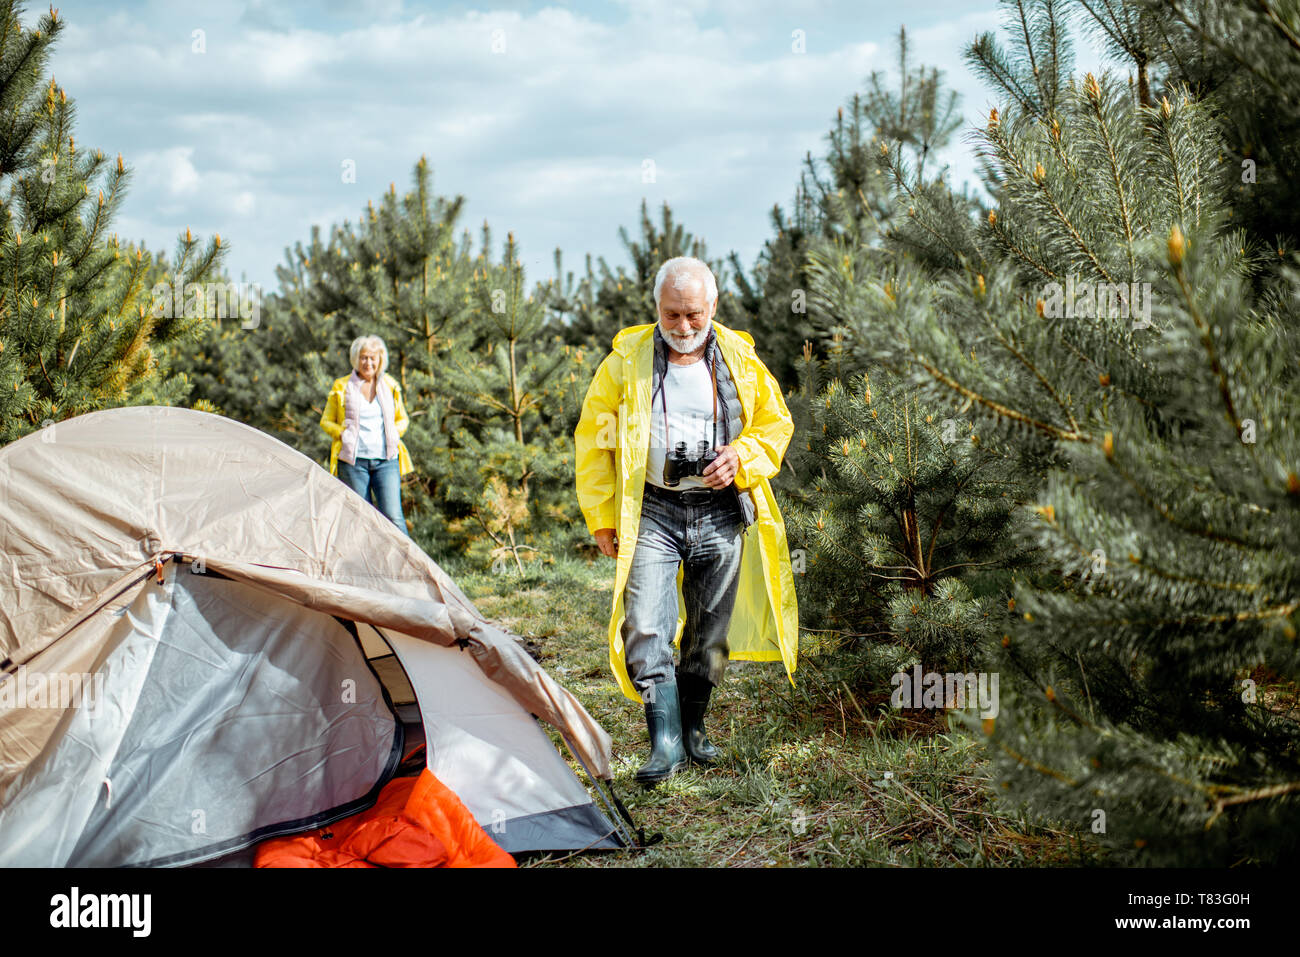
point(332, 421)
point(612, 441)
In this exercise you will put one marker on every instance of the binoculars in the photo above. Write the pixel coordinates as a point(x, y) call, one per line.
point(677, 465)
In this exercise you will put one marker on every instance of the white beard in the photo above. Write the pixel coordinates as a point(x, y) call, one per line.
point(685, 345)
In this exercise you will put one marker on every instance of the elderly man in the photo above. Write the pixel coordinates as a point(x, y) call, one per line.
point(681, 429)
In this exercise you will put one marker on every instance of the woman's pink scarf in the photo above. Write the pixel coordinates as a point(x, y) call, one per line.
point(352, 400)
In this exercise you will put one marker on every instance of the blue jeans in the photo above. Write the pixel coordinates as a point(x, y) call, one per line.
point(705, 534)
point(380, 481)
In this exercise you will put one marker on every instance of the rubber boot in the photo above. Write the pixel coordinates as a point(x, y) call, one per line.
point(663, 717)
point(694, 694)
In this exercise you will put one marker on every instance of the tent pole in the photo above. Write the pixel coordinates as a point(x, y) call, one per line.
point(640, 843)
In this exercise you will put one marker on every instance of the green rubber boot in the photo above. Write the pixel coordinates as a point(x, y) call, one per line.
point(694, 694)
point(663, 717)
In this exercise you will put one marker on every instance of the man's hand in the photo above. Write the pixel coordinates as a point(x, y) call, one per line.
point(722, 471)
point(607, 541)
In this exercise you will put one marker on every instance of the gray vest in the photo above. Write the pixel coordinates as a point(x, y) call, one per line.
point(732, 422)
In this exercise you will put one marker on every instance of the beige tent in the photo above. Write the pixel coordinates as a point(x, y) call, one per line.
point(206, 640)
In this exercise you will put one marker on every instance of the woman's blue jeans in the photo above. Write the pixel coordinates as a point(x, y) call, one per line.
point(378, 481)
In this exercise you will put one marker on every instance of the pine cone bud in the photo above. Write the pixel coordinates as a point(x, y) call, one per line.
point(1041, 308)
point(1104, 378)
point(1177, 247)
point(993, 218)
point(1108, 446)
point(1091, 88)
point(993, 119)
point(979, 284)
point(1040, 174)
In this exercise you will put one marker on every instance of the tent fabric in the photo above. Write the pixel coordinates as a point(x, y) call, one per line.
point(88, 505)
point(202, 734)
point(417, 822)
point(494, 755)
point(191, 563)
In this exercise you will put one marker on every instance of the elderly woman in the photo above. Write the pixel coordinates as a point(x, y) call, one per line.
point(365, 417)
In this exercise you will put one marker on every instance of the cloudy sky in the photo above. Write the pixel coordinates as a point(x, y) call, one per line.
point(241, 118)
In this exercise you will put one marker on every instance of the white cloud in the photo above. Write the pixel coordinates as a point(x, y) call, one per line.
point(546, 139)
point(172, 169)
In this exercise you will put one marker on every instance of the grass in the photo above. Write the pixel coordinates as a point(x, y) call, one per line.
point(817, 774)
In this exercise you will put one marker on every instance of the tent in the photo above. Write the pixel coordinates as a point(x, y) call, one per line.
point(206, 640)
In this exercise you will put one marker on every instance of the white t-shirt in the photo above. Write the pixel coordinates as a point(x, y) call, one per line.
point(689, 390)
point(370, 438)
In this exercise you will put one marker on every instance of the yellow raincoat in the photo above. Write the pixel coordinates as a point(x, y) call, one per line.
point(332, 421)
point(612, 442)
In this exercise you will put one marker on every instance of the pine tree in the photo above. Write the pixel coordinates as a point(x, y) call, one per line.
point(491, 390)
point(511, 431)
point(1243, 56)
point(403, 275)
point(1107, 321)
point(843, 203)
point(774, 298)
point(619, 298)
point(78, 327)
point(906, 521)
point(398, 273)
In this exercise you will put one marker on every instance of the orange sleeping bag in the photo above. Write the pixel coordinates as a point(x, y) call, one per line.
point(417, 822)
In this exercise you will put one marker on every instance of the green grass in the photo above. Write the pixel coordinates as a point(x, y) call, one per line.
point(823, 773)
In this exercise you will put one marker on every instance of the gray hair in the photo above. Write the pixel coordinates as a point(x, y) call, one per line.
point(369, 342)
point(682, 270)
